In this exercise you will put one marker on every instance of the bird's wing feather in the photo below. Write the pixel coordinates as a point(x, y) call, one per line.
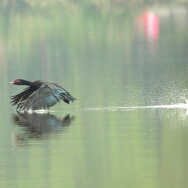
point(46, 96)
point(22, 96)
point(65, 95)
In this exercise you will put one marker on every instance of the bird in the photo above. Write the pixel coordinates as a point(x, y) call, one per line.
point(39, 95)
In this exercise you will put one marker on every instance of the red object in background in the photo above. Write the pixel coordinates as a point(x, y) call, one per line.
point(150, 22)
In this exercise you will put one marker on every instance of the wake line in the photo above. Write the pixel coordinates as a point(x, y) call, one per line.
point(113, 108)
point(172, 106)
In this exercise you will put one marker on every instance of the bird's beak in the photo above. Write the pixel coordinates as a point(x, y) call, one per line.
point(11, 82)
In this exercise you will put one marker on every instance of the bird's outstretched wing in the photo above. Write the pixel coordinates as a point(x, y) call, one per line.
point(45, 97)
point(22, 96)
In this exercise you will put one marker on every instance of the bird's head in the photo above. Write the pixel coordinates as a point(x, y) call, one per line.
point(18, 82)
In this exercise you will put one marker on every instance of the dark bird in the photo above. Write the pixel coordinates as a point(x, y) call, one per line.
point(39, 95)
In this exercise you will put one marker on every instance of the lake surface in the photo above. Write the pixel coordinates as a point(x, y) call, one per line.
point(127, 65)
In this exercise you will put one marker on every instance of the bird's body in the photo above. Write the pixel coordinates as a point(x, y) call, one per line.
point(39, 95)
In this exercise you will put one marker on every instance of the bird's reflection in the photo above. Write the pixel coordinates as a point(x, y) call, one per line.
point(38, 125)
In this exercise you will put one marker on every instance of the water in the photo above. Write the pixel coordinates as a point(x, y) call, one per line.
point(127, 67)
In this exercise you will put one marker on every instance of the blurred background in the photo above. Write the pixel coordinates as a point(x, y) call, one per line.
point(112, 55)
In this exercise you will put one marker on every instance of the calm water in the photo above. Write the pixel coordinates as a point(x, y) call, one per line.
point(126, 65)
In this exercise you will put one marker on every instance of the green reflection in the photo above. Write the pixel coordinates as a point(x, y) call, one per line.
point(103, 54)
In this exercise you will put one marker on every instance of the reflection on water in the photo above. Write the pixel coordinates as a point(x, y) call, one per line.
point(109, 54)
point(38, 125)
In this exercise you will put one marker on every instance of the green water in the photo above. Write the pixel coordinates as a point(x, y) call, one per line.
point(111, 56)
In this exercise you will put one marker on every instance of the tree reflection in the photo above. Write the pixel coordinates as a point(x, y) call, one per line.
point(39, 125)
